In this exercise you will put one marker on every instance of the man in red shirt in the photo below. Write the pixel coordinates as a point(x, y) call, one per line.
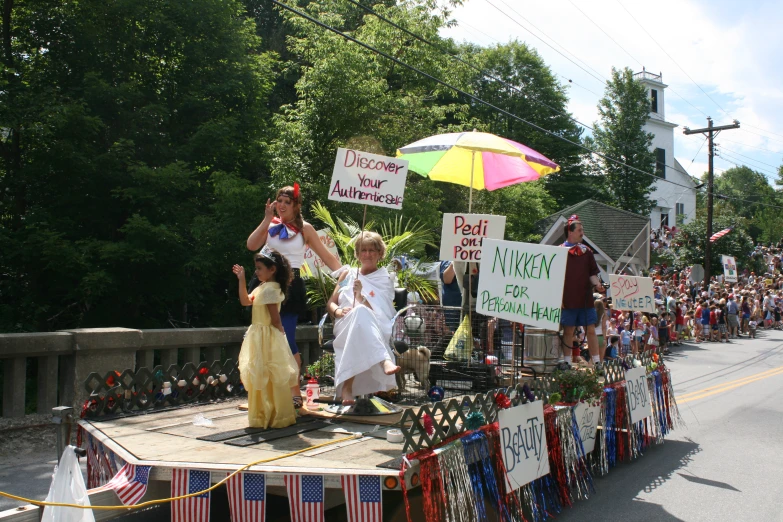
point(581, 279)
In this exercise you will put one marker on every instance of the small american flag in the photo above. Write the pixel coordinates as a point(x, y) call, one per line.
point(716, 236)
point(130, 483)
point(305, 497)
point(247, 497)
point(191, 509)
point(93, 465)
point(363, 498)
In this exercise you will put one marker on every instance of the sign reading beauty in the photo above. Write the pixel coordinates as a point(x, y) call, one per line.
point(370, 179)
point(729, 268)
point(638, 394)
point(587, 419)
point(522, 282)
point(463, 235)
point(632, 293)
point(315, 263)
point(523, 443)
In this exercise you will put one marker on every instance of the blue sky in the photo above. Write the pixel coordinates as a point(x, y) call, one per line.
point(730, 49)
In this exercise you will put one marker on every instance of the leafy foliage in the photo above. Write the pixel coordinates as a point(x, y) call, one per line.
point(620, 134)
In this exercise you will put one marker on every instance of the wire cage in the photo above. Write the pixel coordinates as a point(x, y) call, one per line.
point(442, 349)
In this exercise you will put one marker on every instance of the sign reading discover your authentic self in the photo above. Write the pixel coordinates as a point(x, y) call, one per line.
point(463, 235)
point(523, 443)
point(638, 394)
point(632, 293)
point(522, 282)
point(369, 179)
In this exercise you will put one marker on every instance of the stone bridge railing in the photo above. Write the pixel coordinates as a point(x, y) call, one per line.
point(65, 358)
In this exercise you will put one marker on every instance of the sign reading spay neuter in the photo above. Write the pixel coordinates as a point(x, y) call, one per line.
point(632, 293)
point(463, 235)
point(369, 179)
point(523, 444)
point(522, 282)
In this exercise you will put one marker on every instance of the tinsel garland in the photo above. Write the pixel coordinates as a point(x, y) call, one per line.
point(579, 478)
point(432, 488)
point(557, 467)
point(459, 497)
point(482, 475)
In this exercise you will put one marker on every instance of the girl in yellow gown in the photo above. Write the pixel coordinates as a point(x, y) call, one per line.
point(267, 368)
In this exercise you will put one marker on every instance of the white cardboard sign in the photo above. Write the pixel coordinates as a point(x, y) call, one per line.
point(523, 443)
point(463, 234)
point(587, 419)
point(311, 259)
point(522, 282)
point(632, 293)
point(368, 179)
point(638, 394)
point(729, 268)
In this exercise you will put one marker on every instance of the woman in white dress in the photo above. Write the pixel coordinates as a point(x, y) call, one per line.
point(363, 309)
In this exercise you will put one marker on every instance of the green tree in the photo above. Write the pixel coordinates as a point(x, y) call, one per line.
point(127, 115)
point(688, 244)
point(620, 134)
point(747, 193)
point(538, 98)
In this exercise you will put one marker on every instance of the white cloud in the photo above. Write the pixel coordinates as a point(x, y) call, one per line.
point(730, 49)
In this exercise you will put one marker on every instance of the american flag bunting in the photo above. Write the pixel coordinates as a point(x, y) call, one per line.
point(191, 509)
point(247, 497)
point(363, 498)
point(305, 497)
point(130, 483)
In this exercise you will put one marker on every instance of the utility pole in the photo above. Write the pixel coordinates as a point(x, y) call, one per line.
point(710, 131)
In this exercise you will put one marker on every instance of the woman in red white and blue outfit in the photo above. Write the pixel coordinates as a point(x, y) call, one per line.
point(289, 234)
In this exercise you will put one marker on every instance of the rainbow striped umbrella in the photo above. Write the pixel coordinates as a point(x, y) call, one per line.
point(476, 159)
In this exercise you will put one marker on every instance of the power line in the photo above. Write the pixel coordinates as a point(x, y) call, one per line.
point(544, 41)
point(739, 162)
point(486, 74)
point(475, 98)
point(753, 146)
point(748, 157)
point(467, 94)
point(694, 81)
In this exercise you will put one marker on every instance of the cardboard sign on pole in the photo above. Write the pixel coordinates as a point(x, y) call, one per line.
point(729, 268)
point(463, 235)
point(368, 179)
point(315, 263)
point(632, 293)
point(522, 282)
point(638, 394)
point(523, 444)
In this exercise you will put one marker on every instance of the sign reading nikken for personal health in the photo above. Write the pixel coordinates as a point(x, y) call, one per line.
point(369, 179)
point(522, 282)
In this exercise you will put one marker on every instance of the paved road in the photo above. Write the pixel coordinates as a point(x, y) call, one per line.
point(728, 463)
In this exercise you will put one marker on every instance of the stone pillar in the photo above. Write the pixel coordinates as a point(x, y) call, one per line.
point(47, 383)
point(14, 377)
point(101, 350)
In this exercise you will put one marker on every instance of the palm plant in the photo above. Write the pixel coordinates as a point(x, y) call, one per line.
point(402, 238)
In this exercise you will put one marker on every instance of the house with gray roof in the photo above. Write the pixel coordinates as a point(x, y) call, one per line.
point(619, 239)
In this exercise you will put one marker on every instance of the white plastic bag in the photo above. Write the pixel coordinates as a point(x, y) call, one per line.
point(68, 488)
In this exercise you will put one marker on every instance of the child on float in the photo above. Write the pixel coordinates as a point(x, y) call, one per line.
point(266, 365)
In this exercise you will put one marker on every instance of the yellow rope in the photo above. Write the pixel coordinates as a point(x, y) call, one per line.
point(166, 500)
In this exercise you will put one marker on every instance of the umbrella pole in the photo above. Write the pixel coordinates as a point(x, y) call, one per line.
point(361, 237)
point(470, 197)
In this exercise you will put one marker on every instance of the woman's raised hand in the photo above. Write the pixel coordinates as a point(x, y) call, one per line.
point(357, 288)
point(269, 209)
point(239, 271)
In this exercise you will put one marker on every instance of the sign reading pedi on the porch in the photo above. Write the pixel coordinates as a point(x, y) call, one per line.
point(463, 235)
point(523, 444)
point(522, 282)
point(369, 179)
